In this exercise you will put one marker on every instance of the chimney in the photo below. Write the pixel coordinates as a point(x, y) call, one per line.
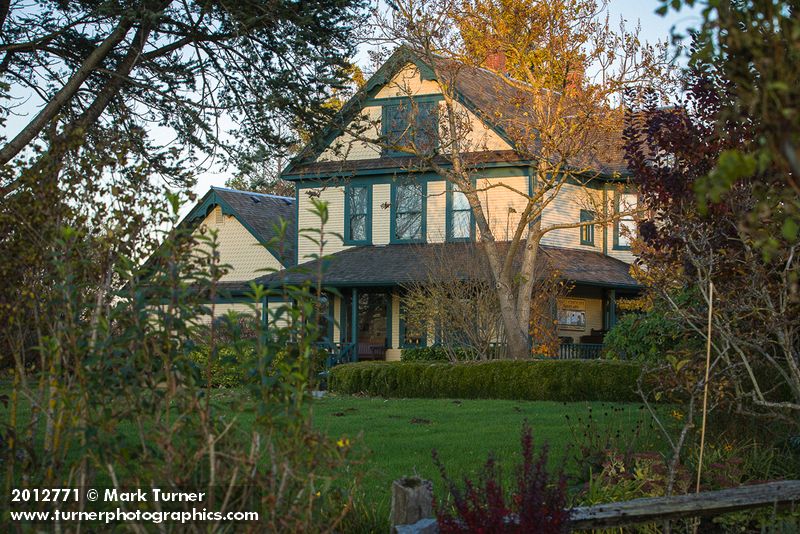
point(496, 61)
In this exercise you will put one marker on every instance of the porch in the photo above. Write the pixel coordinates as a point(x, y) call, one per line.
point(365, 286)
point(366, 324)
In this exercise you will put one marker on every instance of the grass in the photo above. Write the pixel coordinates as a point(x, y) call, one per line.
point(396, 436)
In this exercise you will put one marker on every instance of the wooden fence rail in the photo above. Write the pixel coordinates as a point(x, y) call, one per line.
point(651, 510)
point(707, 503)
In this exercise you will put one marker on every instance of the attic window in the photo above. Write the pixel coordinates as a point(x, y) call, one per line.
point(411, 125)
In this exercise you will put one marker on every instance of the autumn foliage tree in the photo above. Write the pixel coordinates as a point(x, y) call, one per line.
point(673, 153)
point(753, 46)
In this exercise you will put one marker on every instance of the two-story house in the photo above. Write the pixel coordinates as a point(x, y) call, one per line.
point(386, 210)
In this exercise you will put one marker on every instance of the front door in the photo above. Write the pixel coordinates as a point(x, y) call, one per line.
point(373, 330)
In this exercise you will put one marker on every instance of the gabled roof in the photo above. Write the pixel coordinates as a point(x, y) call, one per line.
point(259, 213)
point(392, 265)
point(489, 95)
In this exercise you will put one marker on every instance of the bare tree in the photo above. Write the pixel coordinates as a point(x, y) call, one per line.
point(561, 112)
point(458, 301)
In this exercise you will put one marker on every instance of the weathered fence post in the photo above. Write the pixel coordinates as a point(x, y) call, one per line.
point(412, 507)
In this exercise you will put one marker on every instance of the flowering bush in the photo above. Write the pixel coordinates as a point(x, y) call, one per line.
point(537, 504)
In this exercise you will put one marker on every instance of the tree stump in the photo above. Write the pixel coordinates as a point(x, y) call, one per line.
point(412, 500)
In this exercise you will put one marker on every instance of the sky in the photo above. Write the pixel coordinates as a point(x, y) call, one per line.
point(653, 28)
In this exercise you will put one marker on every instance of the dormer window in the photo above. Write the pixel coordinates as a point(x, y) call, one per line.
point(410, 125)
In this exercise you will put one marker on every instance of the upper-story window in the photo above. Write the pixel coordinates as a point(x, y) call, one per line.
point(358, 215)
point(625, 228)
point(408, 213)
point(459, 215)
point(411, 124)
point(587, 231)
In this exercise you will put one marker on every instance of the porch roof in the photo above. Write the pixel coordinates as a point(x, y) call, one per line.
point(395, 265)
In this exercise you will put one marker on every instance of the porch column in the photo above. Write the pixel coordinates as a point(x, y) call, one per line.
point(354, 322)
point(612, 308)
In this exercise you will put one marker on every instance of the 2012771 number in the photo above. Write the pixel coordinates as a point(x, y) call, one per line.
point(44, 495)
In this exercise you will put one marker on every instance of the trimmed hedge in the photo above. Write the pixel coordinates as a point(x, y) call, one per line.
point(553, 380)
point(430, 354)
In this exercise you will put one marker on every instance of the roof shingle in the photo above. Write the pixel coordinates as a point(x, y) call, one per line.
point(263, 213)
point(391, 265)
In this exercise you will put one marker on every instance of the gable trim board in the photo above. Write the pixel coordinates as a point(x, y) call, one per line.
point(401, 174)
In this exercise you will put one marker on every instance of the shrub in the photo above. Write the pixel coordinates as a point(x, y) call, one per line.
point(228, 369)
point(537, 504)
point(643, 337)
point(556, 380)
point(440, 353)
point(432, 354)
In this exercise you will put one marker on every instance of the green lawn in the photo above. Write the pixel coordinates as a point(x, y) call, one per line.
point(396, 436)
point(399, 434)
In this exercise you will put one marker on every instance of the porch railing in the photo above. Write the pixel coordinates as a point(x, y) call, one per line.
point(579, 351)
point(338, 353)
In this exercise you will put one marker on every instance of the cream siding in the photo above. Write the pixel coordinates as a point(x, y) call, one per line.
point(436, 210)
point(408, 82)
point(622, 255)
point(334, 229)
point(381, 213)
point(476, 137)
point(238, 248)
point(273, 309)
point(337, 313)
point(347, 147)
point(503, 204)
point(566, 208)
point(222, 309)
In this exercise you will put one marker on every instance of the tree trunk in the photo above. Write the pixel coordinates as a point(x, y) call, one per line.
point(412, 500)
point(515, 325)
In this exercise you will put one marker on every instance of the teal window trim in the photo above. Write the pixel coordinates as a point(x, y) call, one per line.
point(587, 232)
point(617, 199)
point(425, 108)
point(449, 216)
point(402, 99)
point(423, 339)
point(393, 213)
point(348, 192)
